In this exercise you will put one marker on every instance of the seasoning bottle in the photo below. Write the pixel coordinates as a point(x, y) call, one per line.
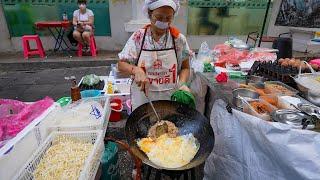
point(110, 88)
point(75, 91)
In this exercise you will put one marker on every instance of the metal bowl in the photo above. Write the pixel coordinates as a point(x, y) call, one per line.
point(243, 93)
point(254, 79)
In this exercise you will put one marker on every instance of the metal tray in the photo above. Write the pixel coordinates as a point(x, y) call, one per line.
point(294, 91)
point(294, 118)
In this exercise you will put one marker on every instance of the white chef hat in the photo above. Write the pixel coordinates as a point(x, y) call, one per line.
point(154, 4)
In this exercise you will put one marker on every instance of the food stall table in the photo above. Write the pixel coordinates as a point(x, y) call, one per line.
point(58, 27)
point(247, 147)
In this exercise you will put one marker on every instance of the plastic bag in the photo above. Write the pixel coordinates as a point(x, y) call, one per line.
point(205, 54)
point(85, 112)
point(90, 80)
point(17, 115)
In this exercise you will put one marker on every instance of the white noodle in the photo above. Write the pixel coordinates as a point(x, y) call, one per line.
point(63, 160)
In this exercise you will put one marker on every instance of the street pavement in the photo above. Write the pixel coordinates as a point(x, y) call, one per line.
point(33, 85)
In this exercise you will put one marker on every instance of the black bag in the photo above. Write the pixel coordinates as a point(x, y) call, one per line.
point(72, 41)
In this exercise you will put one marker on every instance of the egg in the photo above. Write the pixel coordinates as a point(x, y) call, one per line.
point(315, 67)
point(285, 64)
point(170, 152)
point(296, 64)
point(281, 60)
point(291, 62)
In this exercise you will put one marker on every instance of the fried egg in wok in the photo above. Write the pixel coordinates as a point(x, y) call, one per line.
point(170, 152)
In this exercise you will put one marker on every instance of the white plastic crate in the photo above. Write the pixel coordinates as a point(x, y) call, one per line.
point(103, 100)
point(91, 164)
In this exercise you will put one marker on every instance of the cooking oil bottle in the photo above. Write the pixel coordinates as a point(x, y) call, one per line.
point(110, 88)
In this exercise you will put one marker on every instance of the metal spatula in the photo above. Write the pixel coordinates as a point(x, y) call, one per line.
point(160, 128)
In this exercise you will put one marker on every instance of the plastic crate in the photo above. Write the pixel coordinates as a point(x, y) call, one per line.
point(91, 164)
point(19, 149)
point(104, 101)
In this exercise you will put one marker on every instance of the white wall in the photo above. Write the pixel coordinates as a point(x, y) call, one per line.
point(121, 13)
point(5, 42)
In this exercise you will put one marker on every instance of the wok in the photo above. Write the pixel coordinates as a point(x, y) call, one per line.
point(185, 118)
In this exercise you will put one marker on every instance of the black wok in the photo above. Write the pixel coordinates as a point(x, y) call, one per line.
point(185, 118)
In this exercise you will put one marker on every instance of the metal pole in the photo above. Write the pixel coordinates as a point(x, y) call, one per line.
point(264, 22)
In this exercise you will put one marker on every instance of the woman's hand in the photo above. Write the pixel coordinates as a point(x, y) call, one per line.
point(185, 88)
point(140, 78)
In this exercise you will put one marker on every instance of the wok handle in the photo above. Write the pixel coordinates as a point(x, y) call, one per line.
point(137, 161)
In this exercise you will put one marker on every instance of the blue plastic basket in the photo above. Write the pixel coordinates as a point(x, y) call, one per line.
point(90, 93)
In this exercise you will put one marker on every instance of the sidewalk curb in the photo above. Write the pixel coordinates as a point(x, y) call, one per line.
point(21, 66)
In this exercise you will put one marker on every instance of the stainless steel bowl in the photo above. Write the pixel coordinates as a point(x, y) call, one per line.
point(243, 93)
point(254, 79)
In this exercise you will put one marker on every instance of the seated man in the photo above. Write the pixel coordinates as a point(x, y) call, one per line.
point(83, 19)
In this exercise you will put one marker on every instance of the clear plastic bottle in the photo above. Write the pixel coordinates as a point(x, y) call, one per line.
point(65, 16)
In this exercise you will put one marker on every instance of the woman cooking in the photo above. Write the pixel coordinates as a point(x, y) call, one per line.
point(157, 56)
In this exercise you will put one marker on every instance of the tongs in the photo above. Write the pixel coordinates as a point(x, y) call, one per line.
point(314, 118)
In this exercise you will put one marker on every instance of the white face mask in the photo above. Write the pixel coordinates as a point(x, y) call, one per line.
point(82, 6)
point(162, 25)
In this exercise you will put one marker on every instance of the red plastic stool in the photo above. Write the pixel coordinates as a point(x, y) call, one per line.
point(26, 47)
point(93, 47)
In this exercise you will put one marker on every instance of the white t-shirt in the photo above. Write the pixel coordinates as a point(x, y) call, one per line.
point(83, 17)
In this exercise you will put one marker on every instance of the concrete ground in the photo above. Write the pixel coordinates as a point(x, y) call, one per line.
point(32, 79)
point(32, 85)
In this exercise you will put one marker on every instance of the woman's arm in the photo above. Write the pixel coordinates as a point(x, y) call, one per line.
point(75, 20)
point(139, 75)
point(185, 72)
point(125, 68)
point(90, 21)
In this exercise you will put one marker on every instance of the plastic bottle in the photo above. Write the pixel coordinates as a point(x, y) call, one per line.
point(75, 91)
point(65, 16)
point(110, 88)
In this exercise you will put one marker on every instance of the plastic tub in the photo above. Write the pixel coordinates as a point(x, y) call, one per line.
point(90, 93)
point(116, 108)
point(248, 108)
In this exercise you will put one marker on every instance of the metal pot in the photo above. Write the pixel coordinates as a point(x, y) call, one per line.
point(243, 93)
